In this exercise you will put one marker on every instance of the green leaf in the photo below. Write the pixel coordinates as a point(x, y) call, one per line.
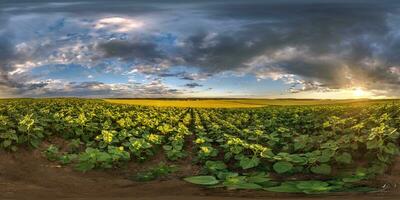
point(373, 144)
point(14, 148)
point(324, 169)
point(214, 166)
point(297, 159)
point(202, 180)
point(167, 147)
point(383, 157)
point(390, 148)
point(289, 187)
point(239, 182)
point(226, 175)
point(145, 176)
point(35, 143)
point(299, 145)
point(245, 186)
point(7, 143)
point(313, 186)
point(234, 180)
point(324, 158)
point(258, 178)
point(266, 154)
point(344, 158)
point(282, 167)
point(326, 155)
point(84, 166)
point(247, 163)
point(352, 179)
point(361, 189)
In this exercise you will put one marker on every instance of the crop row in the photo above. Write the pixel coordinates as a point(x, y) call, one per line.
point(334, 145)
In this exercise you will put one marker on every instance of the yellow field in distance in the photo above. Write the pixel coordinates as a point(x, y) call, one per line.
point(229, 103)
point(186, 103)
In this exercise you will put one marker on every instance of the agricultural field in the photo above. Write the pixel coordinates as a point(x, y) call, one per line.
point(301, 149)
point(235, 103)
point(187, 103)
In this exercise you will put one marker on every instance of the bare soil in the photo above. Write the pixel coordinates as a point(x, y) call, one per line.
point(28, 175)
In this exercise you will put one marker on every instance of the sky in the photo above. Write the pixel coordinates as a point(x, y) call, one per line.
point(168, 48)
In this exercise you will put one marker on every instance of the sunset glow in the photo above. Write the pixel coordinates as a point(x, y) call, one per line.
point(359, 92)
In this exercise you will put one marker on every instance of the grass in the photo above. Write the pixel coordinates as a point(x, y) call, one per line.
point(232, 103)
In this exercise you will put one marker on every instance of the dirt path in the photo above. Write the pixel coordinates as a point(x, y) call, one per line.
point(26, 175)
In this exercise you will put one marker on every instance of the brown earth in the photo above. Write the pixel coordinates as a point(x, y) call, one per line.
point(27, 175)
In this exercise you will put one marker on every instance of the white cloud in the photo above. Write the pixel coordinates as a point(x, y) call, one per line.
point(59, 87)
point(148, 69)
point(118, 24)
point(22, 67)
point(395, 70)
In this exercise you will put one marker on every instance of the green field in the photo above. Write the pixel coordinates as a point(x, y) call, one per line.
point(234, 103)
point(339, 146)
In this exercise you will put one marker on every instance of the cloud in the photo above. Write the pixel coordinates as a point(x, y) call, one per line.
point(303, 40)
point(118, 24)
point(307, 45)
point(9, 75)
point(80, 8)
point(193, 85)
point(200, 76)
point(99, 89)
point(131, 51)
point(160, 69)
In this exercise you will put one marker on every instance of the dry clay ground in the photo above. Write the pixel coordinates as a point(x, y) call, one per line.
point(28, 175)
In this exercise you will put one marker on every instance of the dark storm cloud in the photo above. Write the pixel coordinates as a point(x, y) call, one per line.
point(169, 74)
point(78, 7)
point(195, 76)
point(100, 89)
point(185, 76)
point(80, 89)
point(321, 27)
point(7, 55)
point(19, 83)
point(226, 51)
point(350, 31)
point(85, 85)
point(136, 50)
point(193, 85)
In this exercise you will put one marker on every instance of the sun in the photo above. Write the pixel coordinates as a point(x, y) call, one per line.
point(358, 92)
